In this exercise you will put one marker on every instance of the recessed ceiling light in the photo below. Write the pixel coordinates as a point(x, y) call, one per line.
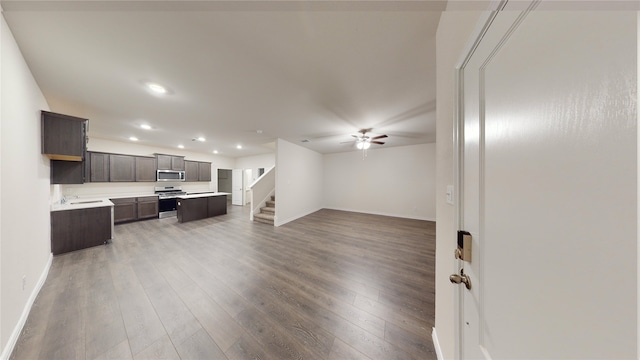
point(259, 131)
point(145, 126)
point(215, 151)
point(157, 88)
point(201, 139)
point(181, 146)
point(133, 138)
point(239, 147)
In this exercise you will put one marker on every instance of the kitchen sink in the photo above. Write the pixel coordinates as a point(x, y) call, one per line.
point(85, 202)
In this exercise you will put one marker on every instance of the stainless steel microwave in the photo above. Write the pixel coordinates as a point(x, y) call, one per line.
point(170, 175)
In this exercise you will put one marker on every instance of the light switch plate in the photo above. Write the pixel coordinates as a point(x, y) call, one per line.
point(450, 194)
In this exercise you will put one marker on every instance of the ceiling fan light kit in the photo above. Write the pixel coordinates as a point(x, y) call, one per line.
point(363, 142)
point(363, 145)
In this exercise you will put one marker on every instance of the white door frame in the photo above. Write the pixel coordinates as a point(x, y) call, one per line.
point(458, 152)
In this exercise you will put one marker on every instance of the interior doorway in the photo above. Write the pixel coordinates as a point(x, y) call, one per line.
point(224, 182)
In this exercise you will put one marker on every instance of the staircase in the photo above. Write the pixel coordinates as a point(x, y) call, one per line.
point(267, 213)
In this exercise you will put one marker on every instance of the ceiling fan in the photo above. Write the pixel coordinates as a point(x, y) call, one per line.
point(363, 141)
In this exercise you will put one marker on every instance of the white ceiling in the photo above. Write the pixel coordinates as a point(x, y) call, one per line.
point(318, 73)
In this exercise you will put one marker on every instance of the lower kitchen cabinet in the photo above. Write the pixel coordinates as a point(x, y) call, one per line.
point(147, 207)
point(217, 205)
point(79, 229)
point(134, 208)
point(201, 207)
point(192, 209)
point(125, 209)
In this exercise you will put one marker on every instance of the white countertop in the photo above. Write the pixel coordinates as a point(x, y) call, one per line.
point(75, 204)
point(194, 196)
point(130, 196)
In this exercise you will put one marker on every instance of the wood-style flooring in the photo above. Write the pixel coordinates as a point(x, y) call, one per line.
point(331, 285)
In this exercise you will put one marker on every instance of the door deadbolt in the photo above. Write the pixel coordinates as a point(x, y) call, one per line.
point(462, 278)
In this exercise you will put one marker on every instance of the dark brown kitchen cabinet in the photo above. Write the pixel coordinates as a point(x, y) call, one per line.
point(98, 167)
point(134, 208)
point(170, 162)
point(64, 142)
point(177, 163)
point(122, 168)
point(67, 172)
point(63, 136)
point(145, 169)
point(191, 170)
point(147, 207)
point(216, 205)
point(197, 171)
point(204, 171)
point(201, 207)
point(192, 209)
point(79, 229)
point(124, 209)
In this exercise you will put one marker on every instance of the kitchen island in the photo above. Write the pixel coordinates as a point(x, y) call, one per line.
point(200, 206)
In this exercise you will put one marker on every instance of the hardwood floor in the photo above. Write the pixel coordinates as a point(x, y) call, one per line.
point(331, 285)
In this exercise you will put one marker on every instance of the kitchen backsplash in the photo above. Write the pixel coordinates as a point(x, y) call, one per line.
point(117, 189)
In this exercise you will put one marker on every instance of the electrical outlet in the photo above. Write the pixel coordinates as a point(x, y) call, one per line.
point(24, 282)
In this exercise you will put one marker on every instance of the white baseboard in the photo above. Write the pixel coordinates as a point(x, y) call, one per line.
point(436, 344)
point(13, 339)
point(403, 216)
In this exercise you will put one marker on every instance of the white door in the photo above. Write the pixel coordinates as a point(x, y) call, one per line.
point(549, 191)
point(237, 187)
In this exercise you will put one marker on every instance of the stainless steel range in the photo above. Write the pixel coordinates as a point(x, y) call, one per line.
point(167, 202)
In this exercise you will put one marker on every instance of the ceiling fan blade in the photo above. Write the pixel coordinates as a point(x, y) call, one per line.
point(377, 142)
point(355, 136)
point(379, 137)
point(347, 142)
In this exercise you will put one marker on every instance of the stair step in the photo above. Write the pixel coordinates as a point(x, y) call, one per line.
point(268, 210)
point(273, 197)
point(271, 203)
point(264, 218)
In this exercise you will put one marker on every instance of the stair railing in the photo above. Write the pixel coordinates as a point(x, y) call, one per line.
point(261, 190)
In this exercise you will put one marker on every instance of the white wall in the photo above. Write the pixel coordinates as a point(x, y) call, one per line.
point(25, 248)
point(104, 145)
point(298, 182)
point(251, 164)
point(265, 161)
point(454, 29)
point(397, 181)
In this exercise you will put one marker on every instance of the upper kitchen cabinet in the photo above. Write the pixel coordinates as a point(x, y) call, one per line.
point(67, 172)
point(145, 168)
point(63, 136)
point(98, 167)
point(170, 162)
point(122, 168)
point(204, 171)
point(191, 170)
point(197, 171)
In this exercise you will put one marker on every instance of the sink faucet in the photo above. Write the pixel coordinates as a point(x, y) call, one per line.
point(63, 200)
